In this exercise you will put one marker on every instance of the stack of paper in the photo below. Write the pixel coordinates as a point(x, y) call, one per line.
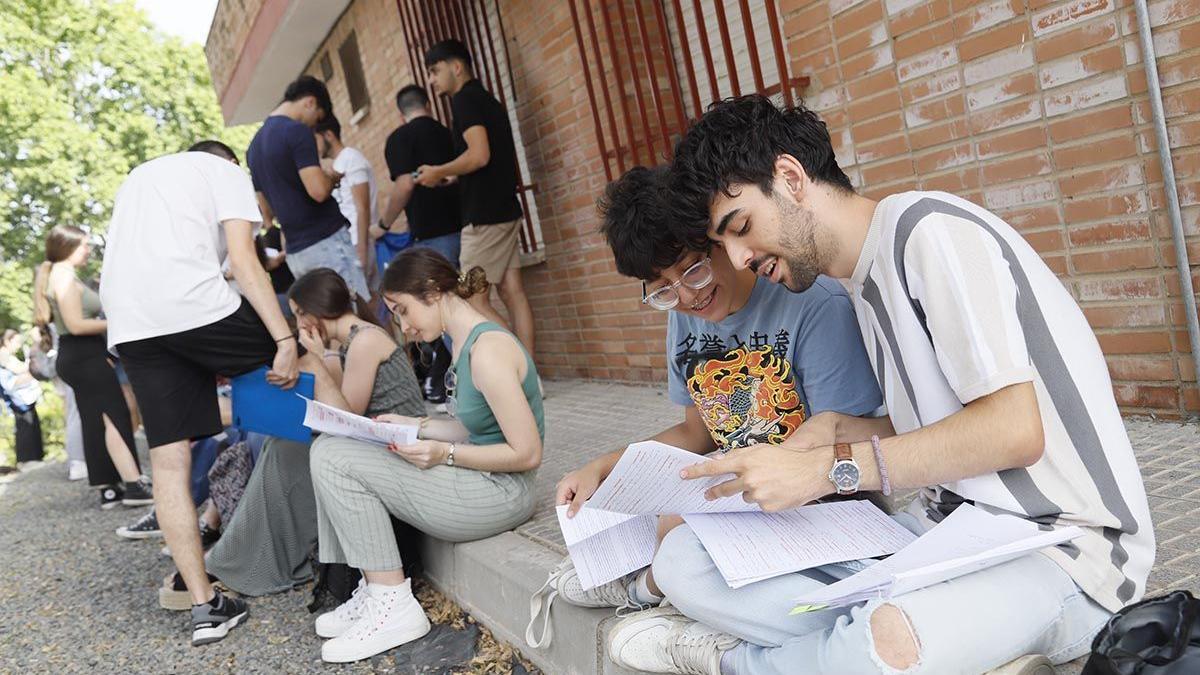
point(968, 540)
point(614, 533)
point(749, 547)
point(330, 420)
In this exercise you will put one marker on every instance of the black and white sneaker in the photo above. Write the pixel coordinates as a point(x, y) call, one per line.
point(138, 493)
point(213, 620)
point(146, 527)
point(110, 496)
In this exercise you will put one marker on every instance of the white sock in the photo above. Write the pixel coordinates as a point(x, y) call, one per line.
point(406, 586)
point(639, 589)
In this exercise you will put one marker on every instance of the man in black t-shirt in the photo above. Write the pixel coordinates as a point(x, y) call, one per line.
point(433, 213)
point(486, 166)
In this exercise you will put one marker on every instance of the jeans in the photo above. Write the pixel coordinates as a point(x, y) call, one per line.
point(338, 254)
point(449, 245)
point(965, 625)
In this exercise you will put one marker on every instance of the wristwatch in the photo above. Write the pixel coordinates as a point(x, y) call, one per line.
point(845, 474)
point(450, 456)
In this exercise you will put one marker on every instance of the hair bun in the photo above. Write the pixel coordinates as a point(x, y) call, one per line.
point(472, 282)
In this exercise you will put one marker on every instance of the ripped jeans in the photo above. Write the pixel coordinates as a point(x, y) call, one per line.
point(966, 625)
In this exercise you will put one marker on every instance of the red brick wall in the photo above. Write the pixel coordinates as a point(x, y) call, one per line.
point(1036, 110)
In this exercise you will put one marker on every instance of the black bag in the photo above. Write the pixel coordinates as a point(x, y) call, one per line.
point(1158, 636)
point(335, 582)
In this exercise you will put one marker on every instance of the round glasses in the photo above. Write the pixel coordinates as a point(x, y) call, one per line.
point(695, 277)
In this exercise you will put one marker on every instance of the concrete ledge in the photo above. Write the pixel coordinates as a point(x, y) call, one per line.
point(493, 579)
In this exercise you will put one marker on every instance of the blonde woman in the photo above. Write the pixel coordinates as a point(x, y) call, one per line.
point(83, 363)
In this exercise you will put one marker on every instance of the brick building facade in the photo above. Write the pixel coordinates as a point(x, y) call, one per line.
point(1036, 109)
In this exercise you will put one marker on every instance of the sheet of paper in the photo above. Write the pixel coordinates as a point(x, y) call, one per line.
point(646, 482)
point(968, 540)
point(330, 420)
point(749, 547)
point(607, 545)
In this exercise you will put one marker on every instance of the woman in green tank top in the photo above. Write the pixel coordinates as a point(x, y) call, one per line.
point(463, 479)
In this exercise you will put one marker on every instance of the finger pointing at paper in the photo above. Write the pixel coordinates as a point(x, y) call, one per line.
point(774, 477)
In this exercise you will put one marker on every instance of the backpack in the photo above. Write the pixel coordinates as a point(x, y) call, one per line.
point(1157, 636)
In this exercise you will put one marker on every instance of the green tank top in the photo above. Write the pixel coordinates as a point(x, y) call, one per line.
point(89, 301)
point(473, 409)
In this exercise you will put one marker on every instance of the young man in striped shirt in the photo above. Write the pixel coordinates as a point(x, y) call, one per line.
point(998, 394)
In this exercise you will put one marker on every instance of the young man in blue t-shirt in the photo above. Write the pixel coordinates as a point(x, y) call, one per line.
point(294, 188)
point(748, 360)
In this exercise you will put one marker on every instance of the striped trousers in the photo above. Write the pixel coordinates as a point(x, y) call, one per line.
point(358, 484)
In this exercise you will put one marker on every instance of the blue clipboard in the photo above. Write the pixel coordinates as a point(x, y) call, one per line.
point(267, 409)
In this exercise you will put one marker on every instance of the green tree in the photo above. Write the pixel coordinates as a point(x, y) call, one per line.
point(88, 90)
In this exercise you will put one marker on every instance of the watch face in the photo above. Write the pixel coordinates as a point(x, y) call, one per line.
point(845, 476)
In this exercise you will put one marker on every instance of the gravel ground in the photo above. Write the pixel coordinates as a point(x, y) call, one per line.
point(76, 598)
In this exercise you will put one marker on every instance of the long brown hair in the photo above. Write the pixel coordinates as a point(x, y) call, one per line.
point(323, 293)
point(61, 242)
point(422, 272)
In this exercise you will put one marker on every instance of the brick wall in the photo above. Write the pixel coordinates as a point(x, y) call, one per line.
point(1036, 110)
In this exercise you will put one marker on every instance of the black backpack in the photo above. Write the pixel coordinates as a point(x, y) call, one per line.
point(335, 582)
point(1157, 636)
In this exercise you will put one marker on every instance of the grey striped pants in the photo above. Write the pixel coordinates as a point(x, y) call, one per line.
point(358, 484)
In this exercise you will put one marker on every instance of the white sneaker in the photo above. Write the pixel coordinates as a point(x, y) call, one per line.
point(387, 620)
point(76, 470)
point(334, 623)
point(564, 581)
point(662, 640)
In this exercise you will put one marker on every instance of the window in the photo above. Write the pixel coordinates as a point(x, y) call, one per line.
point(356, 84)
point(326, 68)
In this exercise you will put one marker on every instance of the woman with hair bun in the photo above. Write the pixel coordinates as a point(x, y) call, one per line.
point(464, 479)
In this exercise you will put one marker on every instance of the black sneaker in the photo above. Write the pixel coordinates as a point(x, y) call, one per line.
point(138, 493)
point(110, 496)
point(213, 620)
point(145, 527)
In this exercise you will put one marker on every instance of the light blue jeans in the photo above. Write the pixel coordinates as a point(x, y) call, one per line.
point(338, 254)
point(449, 245)
point(966, 625)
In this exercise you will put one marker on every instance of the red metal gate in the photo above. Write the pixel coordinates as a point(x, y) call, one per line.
point(664, 43)
point(427, 22)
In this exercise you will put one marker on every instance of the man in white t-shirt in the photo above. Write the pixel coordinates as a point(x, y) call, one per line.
point(356, 191)
point(177, 325)
point(997, 394)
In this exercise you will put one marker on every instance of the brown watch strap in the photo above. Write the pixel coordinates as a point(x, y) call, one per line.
point(841, 451)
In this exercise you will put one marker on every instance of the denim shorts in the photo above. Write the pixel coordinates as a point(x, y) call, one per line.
point(338, 254)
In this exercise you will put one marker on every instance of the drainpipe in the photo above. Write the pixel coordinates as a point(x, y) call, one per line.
point(1150, 61)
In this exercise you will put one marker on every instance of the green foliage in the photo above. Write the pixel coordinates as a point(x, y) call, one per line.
point(88, 90)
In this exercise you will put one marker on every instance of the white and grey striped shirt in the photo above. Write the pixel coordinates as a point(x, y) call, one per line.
point(953, 305)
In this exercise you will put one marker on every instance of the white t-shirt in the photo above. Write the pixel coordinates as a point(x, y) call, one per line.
point(162, 260)
point(355, 170)
point(953, 305)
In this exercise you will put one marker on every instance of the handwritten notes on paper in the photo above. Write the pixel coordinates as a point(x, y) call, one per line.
point(749, 547)
point(330, 420)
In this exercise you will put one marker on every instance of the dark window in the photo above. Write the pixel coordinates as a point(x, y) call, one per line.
point(356, 84)
point(326, 67)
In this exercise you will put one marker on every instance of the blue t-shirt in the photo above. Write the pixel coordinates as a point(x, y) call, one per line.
point(780, 359)
point(279, 150)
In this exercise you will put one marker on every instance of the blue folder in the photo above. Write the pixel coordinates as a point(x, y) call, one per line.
point(268, 409)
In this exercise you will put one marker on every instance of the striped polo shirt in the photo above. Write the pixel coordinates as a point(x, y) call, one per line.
point(953, 305)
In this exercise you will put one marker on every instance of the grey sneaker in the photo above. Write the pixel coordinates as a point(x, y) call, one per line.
point(213, 620)
point(662, 640)
point(564, 581)
point(1031, 664)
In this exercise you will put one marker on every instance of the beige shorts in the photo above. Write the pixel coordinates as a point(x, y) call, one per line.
point(495, 248)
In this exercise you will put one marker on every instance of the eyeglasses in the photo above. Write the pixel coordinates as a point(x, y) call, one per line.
point(695, 277)
point(451, 382)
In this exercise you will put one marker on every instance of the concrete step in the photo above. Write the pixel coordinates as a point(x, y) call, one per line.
point(493, 579)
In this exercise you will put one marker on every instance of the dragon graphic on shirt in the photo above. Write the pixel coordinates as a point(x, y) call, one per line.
point(746, 396)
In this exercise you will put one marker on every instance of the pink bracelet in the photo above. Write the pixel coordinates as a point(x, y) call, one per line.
point(884, 484)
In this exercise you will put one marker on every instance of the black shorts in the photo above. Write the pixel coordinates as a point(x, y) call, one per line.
point(174, 376)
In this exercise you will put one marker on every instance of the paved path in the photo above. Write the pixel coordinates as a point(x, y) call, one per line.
point(75, 598)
